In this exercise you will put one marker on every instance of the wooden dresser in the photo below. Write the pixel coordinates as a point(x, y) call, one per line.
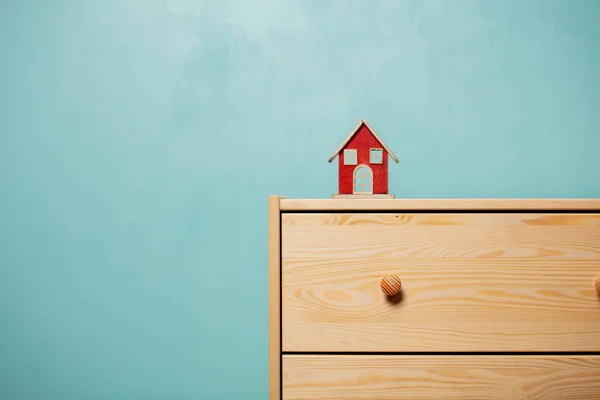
point(499, 299)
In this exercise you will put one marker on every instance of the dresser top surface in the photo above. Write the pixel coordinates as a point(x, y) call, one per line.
point(455, 204)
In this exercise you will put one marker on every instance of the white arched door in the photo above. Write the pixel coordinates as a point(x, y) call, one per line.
point(363, 180)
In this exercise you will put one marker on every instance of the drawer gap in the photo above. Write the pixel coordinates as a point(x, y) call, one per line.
point(446, 353)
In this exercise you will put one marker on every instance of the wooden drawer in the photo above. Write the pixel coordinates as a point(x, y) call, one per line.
point(440, 377)
point(471, 282)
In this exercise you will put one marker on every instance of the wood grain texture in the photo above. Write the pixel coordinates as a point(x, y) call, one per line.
point(391, 285)
point(274, 299)
point(438, 204)
point(441, 377)
point(470, 282)
point(446, 235)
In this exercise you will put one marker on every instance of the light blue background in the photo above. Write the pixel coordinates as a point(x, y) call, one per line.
point(140, 140)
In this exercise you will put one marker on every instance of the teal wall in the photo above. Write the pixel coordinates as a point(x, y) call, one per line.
point(140, 140)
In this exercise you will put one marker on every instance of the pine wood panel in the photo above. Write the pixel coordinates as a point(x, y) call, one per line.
point(485, 235)
point(438, 204)
point(470, 305)
point(441, 377)
point(489, 282)
point(274, 299)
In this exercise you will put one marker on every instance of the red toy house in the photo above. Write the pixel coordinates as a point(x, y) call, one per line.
point(363, 164)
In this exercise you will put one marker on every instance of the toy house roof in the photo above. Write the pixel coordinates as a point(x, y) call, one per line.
point(354, 131)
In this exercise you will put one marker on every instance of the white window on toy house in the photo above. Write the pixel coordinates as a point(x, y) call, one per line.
point(376, 156)
point(363, 180)
point(350, 157)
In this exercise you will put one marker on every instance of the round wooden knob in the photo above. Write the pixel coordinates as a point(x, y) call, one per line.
point(391, 285)
point(597, 284)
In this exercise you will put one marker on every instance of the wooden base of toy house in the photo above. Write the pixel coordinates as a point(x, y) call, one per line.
point(363, 196)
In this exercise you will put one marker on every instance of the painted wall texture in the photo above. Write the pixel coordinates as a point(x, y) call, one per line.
point(140, 140)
